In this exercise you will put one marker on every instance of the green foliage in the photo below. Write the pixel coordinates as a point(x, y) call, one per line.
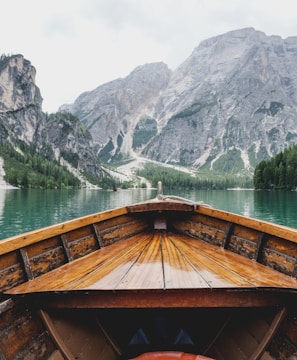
point(280, 172)
point(230, 162)
point(174, 179)
point(144, 131)
point(291, 137)
point(119, 140)
point(273, 134)
point(70, 157)
point(26, 168)
point(108, 183)
point(111, 155)
point(273, 109)
point(207, 102)
point(105, 153)
point(257, 156)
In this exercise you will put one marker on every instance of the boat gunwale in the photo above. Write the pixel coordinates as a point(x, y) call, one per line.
point(282, 231)
point(22, 240)
point(19, 241)
point(31, 237)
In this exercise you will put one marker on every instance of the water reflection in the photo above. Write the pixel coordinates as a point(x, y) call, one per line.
point(23, 210)
point(276, 206)
point(28, 209)
point(240, 202)
point(3, 193)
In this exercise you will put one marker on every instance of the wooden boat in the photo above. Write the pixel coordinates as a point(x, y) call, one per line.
point(160, 279)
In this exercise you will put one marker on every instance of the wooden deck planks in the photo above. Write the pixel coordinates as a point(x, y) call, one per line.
point(147, 272)
point(214, 273)
point(112, 272)
point(158, 260)
point(255, 273)
point(178, 271)
point(66, 276)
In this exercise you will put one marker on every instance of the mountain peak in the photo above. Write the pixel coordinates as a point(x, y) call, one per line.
point(229, 105)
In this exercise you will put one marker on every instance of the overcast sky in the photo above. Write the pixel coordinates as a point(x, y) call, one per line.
point(77, 45)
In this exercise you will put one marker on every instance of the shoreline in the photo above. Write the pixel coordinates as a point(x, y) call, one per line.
point(7, 187)
point(3, 184)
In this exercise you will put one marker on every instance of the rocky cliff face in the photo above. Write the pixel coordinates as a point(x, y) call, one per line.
point(71, 141)
point(20, 99)
point(112, 111)
point(232, 103)
point(21, 119)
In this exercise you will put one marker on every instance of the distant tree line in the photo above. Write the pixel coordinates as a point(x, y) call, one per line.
point(26, 168)
point(279, 172)
point(174, 179)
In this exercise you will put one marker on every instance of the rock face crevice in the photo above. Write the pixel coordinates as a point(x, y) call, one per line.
point(229, 105)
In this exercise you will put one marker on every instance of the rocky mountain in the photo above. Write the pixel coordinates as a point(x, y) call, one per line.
point(231, 104)
point(58, 136)
point(71, 142)
point(20, 100)
point(112, 111)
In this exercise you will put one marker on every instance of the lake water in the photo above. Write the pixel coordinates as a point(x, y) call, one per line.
point(23, 210)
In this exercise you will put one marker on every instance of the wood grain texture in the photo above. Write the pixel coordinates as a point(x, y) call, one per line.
point(159, 260)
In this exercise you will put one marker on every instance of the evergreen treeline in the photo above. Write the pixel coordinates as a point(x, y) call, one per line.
point(279, 172)
point(174, 179)
point(26, 168)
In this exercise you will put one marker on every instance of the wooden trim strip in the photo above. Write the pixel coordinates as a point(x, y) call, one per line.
point(281, 231)
point(55, 336)
point(260, 246)
point(269, 335)
point(221, 329)
point(228, 233)
point(6, 305)
point(98, 236)
point(66, 247)
point(160, 206)
point(56, 355)
point(26, 263)
point(210, 298)
point(112, 343)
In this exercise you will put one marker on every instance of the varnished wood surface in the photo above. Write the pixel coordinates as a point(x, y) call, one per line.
point(31, 237)
point(259, 225)
point(125, 259)
point(159, 260)
point(26, 239)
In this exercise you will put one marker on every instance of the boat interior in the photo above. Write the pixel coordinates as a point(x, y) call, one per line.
point(126, 333)
point(157, 276)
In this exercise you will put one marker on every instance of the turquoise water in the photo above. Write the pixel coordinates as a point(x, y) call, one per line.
point(23, 210)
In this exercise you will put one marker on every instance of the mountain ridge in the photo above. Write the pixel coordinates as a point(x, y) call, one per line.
point(229, 105)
